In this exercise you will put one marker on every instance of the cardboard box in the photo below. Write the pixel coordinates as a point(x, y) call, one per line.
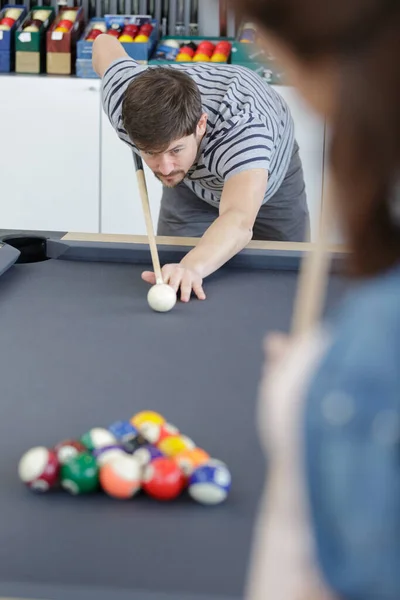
point(32, 43)
point(28, 62)
point(140, 52)
point(7, 39)
point(59, 63)
point(61, 46)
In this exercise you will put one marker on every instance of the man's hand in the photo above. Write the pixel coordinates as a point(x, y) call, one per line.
point(178, 276)
point(241, 199)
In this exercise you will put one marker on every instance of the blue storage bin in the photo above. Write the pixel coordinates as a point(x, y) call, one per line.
point(138, 51)
point(7, 39)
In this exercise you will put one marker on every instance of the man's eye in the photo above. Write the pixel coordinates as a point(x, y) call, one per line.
point(177, 150)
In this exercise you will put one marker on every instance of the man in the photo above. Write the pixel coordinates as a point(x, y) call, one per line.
point(222, 143)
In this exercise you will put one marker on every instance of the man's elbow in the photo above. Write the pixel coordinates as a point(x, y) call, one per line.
point(247, 235)
point(244, 225)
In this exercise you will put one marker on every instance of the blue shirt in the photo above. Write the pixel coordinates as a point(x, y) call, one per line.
point(352, 427)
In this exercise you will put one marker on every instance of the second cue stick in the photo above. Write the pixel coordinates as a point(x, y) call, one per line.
point(313, 278)
point(147, 216)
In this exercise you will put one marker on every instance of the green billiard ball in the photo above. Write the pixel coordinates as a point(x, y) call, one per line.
point(80, 475)
point(98, 438)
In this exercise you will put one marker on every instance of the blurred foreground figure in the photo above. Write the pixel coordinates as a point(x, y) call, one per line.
point(329, 526)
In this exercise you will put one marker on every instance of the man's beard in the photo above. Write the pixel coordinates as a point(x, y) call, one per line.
point(173, 174)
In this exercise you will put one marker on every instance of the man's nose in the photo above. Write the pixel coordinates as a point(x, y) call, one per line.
point(165, 166)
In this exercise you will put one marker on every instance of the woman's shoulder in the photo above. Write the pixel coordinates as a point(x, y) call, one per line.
point(366, 329)
point(352, 426)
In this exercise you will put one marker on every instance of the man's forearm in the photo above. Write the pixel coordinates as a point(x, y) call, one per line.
point(227, 236)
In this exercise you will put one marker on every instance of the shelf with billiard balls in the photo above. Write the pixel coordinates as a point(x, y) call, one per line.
point(30, 46)
point(138, 35)
point(183, 50)
point(61, 40)
point(145, 455)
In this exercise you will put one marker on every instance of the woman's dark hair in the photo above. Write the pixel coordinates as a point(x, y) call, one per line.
point(363, 38)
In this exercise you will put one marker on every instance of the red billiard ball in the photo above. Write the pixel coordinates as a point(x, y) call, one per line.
point(93, 34)
point(8, 21)
point(146, 29)
point(206, 47)
point(66, 23)
point(163, 479)
point(223, 48)
point(113, 32)
point(187, 50)
point(39, 469)
point(131, 30)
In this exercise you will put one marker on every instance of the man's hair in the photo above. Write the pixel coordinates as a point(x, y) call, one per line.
point(161, 105)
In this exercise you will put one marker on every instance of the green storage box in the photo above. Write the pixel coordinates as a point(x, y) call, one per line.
point(33, 41)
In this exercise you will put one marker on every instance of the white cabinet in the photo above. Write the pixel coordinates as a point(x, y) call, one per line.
point(310, 134)
point(49, 153)
point(121, 208)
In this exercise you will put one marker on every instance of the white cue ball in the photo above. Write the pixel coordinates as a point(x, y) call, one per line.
point(161, 297)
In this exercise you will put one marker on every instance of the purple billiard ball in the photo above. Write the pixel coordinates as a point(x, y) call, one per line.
point(106, 453)
point(146, 454)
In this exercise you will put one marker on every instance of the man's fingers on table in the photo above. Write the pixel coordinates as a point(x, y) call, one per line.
point(198, 290)
point(149, 277)
point(186, 287)
point(176, 280)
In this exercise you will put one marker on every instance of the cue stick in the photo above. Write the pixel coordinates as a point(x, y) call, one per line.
point(313, 279)
point(141, 179)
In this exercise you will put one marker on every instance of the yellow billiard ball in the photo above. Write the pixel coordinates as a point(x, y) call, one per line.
point(147, 416)
point(173, 445)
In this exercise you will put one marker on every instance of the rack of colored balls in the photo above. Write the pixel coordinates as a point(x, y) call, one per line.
point(191, 51)
point(123, 33)
point(66, 22)
point(33, 24)
point(9, 17)
point(143, 456)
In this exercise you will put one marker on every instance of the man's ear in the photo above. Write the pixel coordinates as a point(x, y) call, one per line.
point(202, 125)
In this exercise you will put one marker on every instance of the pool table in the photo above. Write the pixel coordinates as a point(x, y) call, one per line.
point(81, 348)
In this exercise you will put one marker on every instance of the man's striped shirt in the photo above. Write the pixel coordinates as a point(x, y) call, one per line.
point(249, 124)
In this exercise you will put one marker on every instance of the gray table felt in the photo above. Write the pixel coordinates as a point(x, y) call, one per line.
point(80, 348)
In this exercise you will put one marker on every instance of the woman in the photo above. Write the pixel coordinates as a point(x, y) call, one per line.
point(330, 402)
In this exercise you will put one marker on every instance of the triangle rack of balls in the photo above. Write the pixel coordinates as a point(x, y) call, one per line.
point(145, 455)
